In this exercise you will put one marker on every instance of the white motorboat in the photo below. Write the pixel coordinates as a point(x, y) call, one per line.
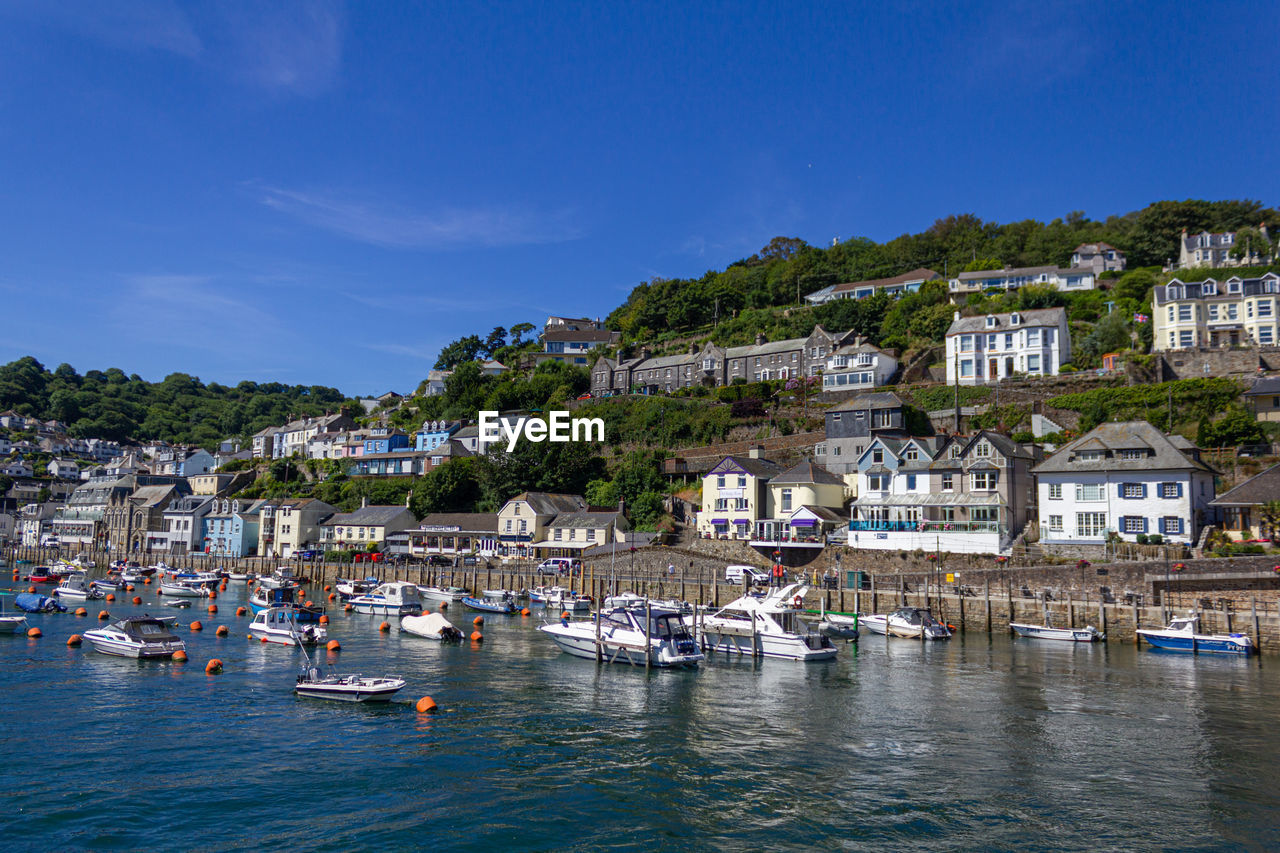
point(624, 599)
point(280, 625)
point(136, 637)
point(559, 596)
point(350, 588)
point(184, 589)
point(395, 598)
point(433, 626)
point(241, 576)
point(1180, 636)
point(1087, 634)
point(838, 626)
point(347, 688)
point(623, 637)
point(283, 576)
point(10, 623)
point(908, 622)
point(448, 594)
point(76, 588)
point(770, 626)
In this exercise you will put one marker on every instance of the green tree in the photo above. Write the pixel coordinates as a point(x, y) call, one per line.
point(496, 340)
point(982, 264)
point(518, 331)
point(458, 352)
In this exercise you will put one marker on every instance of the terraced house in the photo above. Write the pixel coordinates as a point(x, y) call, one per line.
point(1212, 313)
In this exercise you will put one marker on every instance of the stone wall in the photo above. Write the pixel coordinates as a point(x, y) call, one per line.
point(1202, 362)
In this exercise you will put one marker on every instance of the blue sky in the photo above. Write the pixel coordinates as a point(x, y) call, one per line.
point(328, 193)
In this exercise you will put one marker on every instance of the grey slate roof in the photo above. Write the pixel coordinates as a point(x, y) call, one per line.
point(545, 503)
point(1255, 491)
point(1264, 387)
point(587, 519)
point(874, 400)
point(1036, 317)
point(805, 471)
point(368, 515)
point(1165, 455)
point(466, 522)
point(1012, 272)
point(761, 468)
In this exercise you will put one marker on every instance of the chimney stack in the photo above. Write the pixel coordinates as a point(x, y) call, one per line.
point(755, 451)
point(760, 339)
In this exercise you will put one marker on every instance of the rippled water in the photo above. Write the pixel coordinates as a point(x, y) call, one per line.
point(979, 743)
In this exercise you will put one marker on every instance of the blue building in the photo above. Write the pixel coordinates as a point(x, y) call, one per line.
point(435, 433)
point(388, 443)
point(231, 528)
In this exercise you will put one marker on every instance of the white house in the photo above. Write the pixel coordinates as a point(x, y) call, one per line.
point(1127, 478)
point(64, 469)
point(1073, 279)
point(15, 468)
point(992, 347)
point(858, 367)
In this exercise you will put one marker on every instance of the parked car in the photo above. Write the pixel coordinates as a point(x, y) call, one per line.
point(471, 560)
point(307, 554)
point(559, 566)
point(439, 560)
point(372, 557)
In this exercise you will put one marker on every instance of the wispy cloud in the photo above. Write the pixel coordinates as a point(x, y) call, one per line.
point(191, 311)
point(381, 224)
point(292, 48)
point(405, 350)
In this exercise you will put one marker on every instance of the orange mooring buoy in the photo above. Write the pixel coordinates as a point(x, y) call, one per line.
point(137, 599)
point(476, 637)
point(196, 626)
point(75, 640)
point(385, 626)
point(221, 632)
point(426, 705)
point(444, 605)
point(524, 612)
point(34, 633)
point(102, 614)
point(213, 667)
point(328, 588)
point(31, 589)
point(333, 646)
point(80, 611)
point(332, 596)
point(348, 608)
point(240, 611)
point(147, 580)
point(323, 620)
point(564, 614)
point(128, 587)
point(111, 596)
point(213, 608)
point(479, 620)
point(179, 656)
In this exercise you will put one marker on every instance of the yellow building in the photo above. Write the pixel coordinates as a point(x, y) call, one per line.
point(735, 496)
point(523, 520)
point(1211, 313)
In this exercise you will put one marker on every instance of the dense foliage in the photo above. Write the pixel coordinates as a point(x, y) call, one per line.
point(180, 408)
point(1166, 405)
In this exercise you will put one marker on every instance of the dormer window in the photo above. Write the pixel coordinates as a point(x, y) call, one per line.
point(1210, 288)
point(1015, 318)
point(1132, 454)
point(1233, 287)
point(991, 322)
point(1090, 455)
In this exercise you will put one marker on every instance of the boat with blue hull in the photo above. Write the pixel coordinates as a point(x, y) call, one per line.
point(505, 604)
point(1181, 636)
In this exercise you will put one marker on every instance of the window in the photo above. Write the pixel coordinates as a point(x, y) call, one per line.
point(1184, 313)
point(1186, 339)
point(991, 322)
point(1089, 492)
point(982, 450)
point(966, 368)
point(1133, 490)
point(911, 482)
point(982, 481)
point(966, 343)
point(910, 454)
point(1033, 364)
point(947, 485)
point(557, 536)
point(877, 456)
point(1233, 312)
point(1132, 454)
point(1008, 340)
point(786, 500)
point(1091, 524)
point(1033, 337)
point(1266, 334)
point(1133, 524)
point(742, 481)
point(1055, 523)
point(877, 482)
point(720, 481)
point(1171, 525)
point(836, 450)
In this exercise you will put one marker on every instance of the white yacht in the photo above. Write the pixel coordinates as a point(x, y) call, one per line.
point(624, 638)
point(395, 598)
point(10, 623)
point(448, 594)
point(77, 588)
point(280, 625)
point(559, 596)
point(908, 622)
point(772, 623)
point(136, 637)
point(184, 589)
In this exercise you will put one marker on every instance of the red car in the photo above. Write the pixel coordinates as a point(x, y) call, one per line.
point(375, 557)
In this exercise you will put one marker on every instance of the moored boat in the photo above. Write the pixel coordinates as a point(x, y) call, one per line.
point(1087, 634)
point(622, 636)
point(448, 594)
point(280, 625)
point(347, 688)
point(907, 622)
point(506, 603)
point(136, 637)
point(184, 589)
point(395, 598)
point(10, 623)
point(433, 626)
point(1180, 636)
point(34, 602)
point(286, 596)
point(559, 596)
point(770, 627)
point(76, 588)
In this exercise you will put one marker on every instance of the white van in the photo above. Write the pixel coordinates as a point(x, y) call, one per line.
point(748, 574)
point(559, 566)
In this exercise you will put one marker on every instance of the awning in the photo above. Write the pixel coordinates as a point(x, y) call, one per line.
point(551, 543)
point(741, 521)
point(719, 521)
point(803, 522)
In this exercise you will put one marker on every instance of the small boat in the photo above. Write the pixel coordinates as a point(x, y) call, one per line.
point(34, 602)
point(105, 585)
point(286, 596)
point(178, 602)
point(907, 622)
point(315, 684)
point(184, 589)
point(1181, 636)
point(351, 588)
point(10, 623)
point(396, 598)
point(280, 625)
point(838, 626)
point(450, 594)
point(136, 637)
point(1087, 634)
point(240, 576)
point(75, 588)
point(624, 599)
point(45, 574)
point(283, 576)
point(770, 626)
point(622, 636)
point(561, 597)
point(505, 604)
point(433, 626)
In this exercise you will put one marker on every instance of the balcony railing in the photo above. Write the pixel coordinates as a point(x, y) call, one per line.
point(924, 526)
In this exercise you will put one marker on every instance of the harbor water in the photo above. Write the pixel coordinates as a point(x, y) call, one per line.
point(977, 743)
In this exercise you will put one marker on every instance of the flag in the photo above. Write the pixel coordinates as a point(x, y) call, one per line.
point(1141, 318)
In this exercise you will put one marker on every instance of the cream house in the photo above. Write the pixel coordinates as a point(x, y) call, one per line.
point(291, 525)
point(368, 524)
point(572, 533)
point(805, 503)
point(735, 496)
point(524, 519)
